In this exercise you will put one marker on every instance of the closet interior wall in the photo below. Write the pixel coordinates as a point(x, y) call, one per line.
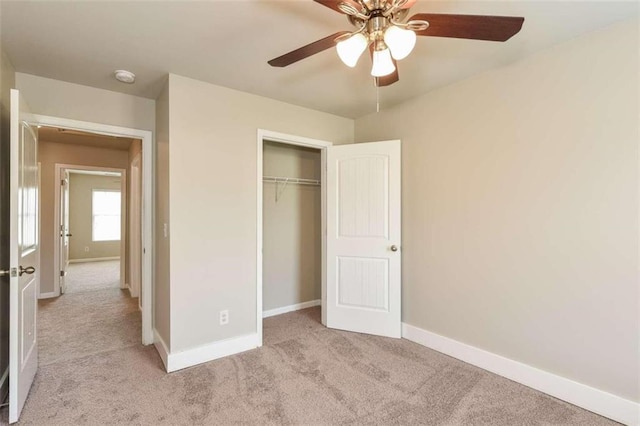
point(292, 227)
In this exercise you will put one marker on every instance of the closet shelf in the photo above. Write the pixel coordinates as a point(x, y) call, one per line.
point(297, 181)
point(286, 180)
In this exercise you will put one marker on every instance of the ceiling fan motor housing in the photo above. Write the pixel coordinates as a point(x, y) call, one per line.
point(377, 24)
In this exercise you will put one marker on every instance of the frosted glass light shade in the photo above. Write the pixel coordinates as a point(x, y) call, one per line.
point(351, 49)
point(400, 41)
point(382, 63)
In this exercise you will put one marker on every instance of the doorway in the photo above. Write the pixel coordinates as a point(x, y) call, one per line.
point(291, 199)
point(139, 165)
point(92, 212)
point(292, 270)
point(360, 234)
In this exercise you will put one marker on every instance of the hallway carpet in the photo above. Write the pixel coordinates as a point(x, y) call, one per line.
point(79, 324)
point(90, 276)
point(304, 375)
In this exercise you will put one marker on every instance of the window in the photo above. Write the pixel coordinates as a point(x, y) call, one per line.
point(106, 215)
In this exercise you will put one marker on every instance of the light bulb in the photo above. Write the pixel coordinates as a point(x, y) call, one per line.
point(400, 41)
point(382, 63)
point(349, 50)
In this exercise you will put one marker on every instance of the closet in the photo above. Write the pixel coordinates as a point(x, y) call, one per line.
point(292, 258)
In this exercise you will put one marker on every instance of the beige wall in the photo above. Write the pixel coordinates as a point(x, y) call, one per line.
point(161, 291)
point(81, 187)
point(67, 100)
point(50, 154)
point(291, 228)
point(7, 82)
point(213, 192)
point(520, 209)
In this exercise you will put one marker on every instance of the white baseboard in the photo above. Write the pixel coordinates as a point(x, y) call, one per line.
point(592, 399)
point(190, 357)
point(93, 259)
point(48, 295)
point(291, 308)
point(161, 347)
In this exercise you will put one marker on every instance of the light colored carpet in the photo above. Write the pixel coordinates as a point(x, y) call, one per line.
point(75, 325)
point(91, 276)
point(305, 374)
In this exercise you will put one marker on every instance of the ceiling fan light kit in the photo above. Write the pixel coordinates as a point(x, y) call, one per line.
point(382, 26)
point(382, 63)
point(351, 49)
point(400, 41)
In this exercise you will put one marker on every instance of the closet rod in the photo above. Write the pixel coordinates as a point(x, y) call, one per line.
point(299, 181)
point(286, 180)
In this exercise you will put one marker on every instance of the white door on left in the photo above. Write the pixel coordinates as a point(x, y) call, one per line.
point(24, 255)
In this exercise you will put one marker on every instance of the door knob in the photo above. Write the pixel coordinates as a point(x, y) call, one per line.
point(69, 235)
point(28, 270)
point(394, 248)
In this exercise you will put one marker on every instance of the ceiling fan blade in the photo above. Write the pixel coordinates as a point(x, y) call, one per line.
point(387, 79)
point(333, 4)
point(306, 51)
point(409, 4)
point(476, 27)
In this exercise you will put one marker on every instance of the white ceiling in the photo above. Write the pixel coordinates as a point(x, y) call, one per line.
point(229, 43)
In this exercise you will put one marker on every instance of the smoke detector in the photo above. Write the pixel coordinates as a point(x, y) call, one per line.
point(125, 76)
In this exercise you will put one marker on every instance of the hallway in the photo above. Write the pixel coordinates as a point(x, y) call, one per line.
point(94, 316)
point(90, 276)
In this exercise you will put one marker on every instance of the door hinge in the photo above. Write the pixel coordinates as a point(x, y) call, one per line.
point(62, 182)
point(63, 273)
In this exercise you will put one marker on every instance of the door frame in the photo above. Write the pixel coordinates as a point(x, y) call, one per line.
point(269, 136)
point(134, 247)
point(59, 173)
point(148, 217)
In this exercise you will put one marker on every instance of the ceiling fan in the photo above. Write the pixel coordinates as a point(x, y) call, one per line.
point(383, 27)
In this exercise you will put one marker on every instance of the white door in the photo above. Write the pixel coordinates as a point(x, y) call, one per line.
point(24, 278)
point(363, 238)
point(64, 229)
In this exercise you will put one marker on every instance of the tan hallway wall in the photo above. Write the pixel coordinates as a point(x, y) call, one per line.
point(50, 154)
point(81, 188)
point(291, 228)
point(520, 209)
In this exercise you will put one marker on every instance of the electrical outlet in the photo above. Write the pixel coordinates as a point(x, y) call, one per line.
point(224, 317)
point(86, 249)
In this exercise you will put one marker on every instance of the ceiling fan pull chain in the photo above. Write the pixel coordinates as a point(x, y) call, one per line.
point(377, 98)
